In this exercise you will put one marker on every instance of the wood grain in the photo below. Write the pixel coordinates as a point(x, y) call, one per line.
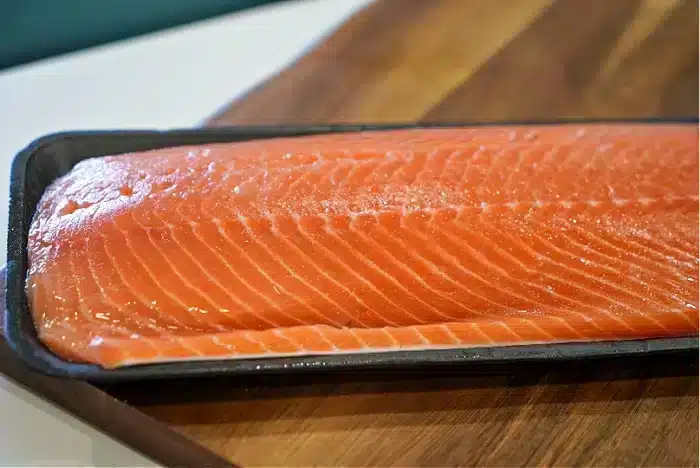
point(474, 60)
point(460, 61)
point(600, 414)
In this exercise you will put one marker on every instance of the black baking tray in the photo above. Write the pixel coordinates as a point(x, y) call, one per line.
point(49, 157)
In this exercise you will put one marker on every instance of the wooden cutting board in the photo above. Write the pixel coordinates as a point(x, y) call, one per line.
point(466, 60)
point(461, 61)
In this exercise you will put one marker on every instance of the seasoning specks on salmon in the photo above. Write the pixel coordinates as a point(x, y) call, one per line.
point(373, 241)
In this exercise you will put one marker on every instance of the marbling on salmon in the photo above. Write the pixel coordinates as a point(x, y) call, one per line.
point(404, 239)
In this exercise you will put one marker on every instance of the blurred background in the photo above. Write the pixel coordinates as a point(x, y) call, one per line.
point(37, 29)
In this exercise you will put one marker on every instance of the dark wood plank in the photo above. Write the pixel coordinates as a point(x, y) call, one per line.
point(467, 60)
point(546, 70)
point(390, 63)
point(601, 414)
point(663, 68)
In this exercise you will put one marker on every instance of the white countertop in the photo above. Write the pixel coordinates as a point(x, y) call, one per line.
point(171, 79)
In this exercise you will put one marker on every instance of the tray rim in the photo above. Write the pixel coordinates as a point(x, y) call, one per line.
point(18, 320)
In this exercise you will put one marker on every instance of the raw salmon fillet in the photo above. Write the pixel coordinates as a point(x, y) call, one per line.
point(370, 241)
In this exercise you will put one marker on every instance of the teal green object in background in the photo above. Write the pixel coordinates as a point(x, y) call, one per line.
point(35, 29)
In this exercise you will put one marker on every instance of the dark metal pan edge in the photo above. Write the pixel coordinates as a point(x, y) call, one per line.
point(21, 336)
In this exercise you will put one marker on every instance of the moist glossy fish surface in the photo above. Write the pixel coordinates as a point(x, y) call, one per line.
point(368, 242)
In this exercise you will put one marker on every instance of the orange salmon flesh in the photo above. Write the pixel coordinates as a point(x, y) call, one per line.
point(370, 241)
